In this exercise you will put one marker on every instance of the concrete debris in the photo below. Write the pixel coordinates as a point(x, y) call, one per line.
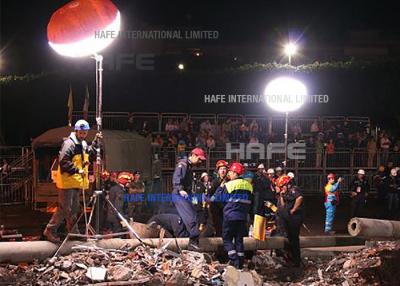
point(374, 265)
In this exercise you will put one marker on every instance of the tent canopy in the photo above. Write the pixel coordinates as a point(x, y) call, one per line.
point(124, 151)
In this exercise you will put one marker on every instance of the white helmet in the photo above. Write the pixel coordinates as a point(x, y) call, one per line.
point(393, 172)
point(278, 169)
point(270, 171)
point(361, 172)
point(203, 175)
point(291, 175)
point(261, 166)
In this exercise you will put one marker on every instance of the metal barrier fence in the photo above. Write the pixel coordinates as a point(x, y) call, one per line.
point(342, 159)
point(157, 121)
point(16, 184)
point(310, 184)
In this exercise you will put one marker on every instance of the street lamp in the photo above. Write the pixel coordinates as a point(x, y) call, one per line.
point(181, 67)
point(285, 94)
point(290, 50)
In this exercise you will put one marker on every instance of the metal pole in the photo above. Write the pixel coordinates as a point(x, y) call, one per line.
point(286, 141)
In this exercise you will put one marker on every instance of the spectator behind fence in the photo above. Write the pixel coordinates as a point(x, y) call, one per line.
point(371, 148)
point(384, 146)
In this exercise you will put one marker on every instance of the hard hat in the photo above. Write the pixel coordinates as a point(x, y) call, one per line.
point(221, 163)
point(237, 168)
point(278, 169)
point(105, 175)
point(203, 175)
point(270, 171)
point(124, 178)
point(331, 176)
point(245, 165)
point(361, 172)
point(249, 176)
point(282, 181)
point(291, 175)
point(82, 125)
point(199, 152)
point(393, 172)
point(261, 166)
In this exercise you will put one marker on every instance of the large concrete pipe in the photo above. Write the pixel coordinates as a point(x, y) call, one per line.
point(370, 228)
point(374, 228)
point(15, 252)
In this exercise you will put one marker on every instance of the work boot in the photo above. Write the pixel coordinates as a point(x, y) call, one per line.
point(50, 236)
point(193, 244)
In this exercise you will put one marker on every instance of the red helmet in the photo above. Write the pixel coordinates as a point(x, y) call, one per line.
point(221, 163)
point(199, 152)
point(105, 175)
point(124, 178)
point(237, 168)
point(331, 176)
point(282, 181)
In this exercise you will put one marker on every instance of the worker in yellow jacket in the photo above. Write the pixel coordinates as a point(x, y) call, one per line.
point(72, 176)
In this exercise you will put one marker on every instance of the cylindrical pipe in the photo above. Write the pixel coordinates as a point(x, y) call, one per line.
point(370, 228)
point(15, 252)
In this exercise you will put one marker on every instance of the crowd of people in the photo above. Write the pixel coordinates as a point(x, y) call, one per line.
point(327, 137)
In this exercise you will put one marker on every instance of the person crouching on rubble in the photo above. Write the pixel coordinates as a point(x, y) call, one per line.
point(72, 176)
point(331, 193)
point(290, 204)
point(236, 194)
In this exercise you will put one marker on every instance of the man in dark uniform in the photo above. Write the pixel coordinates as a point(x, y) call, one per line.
point(236, 195)
point(216, 209)
point(262, 191)
point(359, 189)
point(116, 196)
point(290, 204)
point(182, 192)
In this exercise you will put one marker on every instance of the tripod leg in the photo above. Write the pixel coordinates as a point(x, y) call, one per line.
point(94, 205)
point(61, 246)
point(121, 217)
point(84, 212)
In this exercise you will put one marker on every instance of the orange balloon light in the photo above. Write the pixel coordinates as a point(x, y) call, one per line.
point(83, 27)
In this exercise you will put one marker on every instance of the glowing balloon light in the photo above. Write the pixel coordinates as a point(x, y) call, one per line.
point(285, 94)
point(72, 28)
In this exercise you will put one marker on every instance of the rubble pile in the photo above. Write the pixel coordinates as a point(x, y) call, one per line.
point(376, 264)
point(143, 265)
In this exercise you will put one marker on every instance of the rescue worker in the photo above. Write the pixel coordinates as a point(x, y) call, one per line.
point(116, 196)
point(278, 172)
point(236, 195)
point(183, 188)
point(262, 191)
point(359, 189)
point(135, 200)
point(72, 176)
point(331, 193)
point(290, 205)
point(216, 208)
point(199, 201)
point(380, 182)
point(393, 187)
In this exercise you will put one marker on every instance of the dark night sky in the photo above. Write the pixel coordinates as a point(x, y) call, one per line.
point(23, 23)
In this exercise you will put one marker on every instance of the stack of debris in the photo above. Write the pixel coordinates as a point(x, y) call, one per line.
point(143, 265)
point(373, 265)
